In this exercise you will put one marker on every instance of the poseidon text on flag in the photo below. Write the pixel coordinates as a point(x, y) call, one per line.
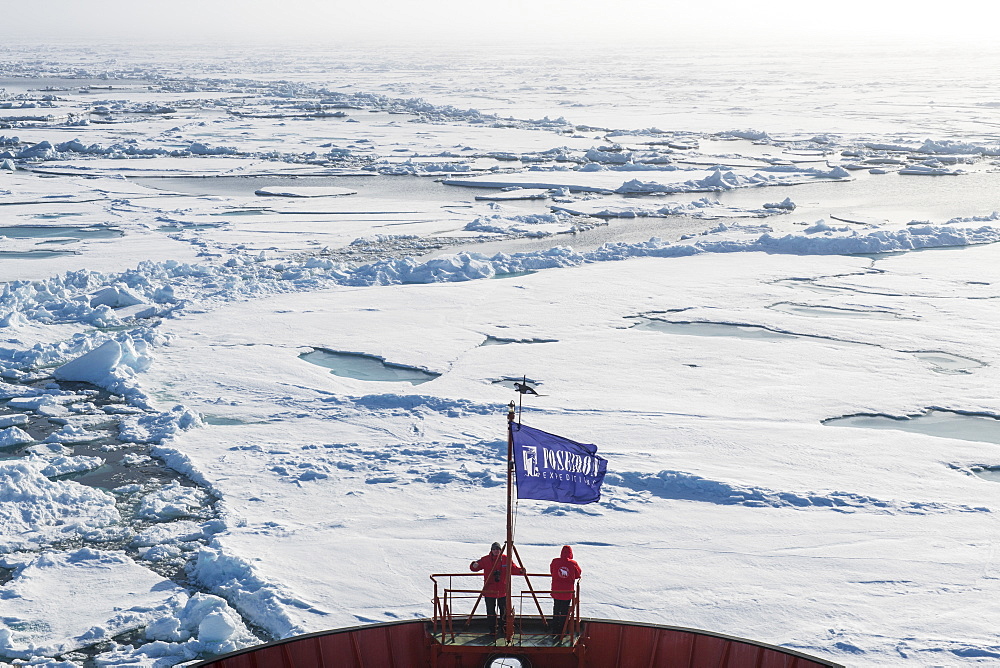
point(553, 468)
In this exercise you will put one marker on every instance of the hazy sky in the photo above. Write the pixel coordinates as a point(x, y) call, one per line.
point(598, 21)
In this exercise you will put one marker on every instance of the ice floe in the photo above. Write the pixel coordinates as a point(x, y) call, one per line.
point(40, 511)
point(60, 602)
point(111, 366)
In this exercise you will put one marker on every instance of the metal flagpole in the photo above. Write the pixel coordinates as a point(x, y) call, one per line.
point(509, 630)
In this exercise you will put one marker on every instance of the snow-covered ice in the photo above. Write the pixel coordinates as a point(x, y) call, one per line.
point(101, 595)
point(39, 511)
point(698, 285)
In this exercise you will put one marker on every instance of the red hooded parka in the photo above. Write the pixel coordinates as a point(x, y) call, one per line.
point(494, 574)
point(564, 572)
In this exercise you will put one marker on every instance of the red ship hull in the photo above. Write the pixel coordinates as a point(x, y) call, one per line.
point(603, 644)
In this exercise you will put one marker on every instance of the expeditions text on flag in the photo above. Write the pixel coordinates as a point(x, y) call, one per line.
point(553, 468)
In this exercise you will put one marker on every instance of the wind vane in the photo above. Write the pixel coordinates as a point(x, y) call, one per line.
point(525, 389)
point(522, 389)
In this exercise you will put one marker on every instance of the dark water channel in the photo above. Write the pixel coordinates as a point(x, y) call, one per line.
point(36, 254)
point(945, 424)
point(939, 423)
point(53, 235)
point(129, 473)
point(619, 230)
point(938, 361)
point(115, 471)
point(60, 232)
point(711, 329)
point(892, 198)
point(366, 367)
point(415, 188)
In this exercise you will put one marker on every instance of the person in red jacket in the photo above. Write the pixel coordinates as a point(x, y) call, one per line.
point(564, 571)
point(494, 566)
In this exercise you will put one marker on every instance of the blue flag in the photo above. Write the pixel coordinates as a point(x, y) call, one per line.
point(553, 468)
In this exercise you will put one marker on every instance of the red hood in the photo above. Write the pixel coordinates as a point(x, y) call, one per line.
point(567, 552)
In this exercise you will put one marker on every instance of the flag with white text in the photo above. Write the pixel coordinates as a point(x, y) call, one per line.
point(552, 468)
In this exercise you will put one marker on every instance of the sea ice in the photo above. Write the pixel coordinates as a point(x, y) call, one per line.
point(173, 501)
point(112, 365)
point(59, 602)
point(12, 436)
point(304, 191)
point(39, 511)
point(725, 485)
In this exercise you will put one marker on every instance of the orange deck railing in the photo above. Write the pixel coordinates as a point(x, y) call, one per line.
point(455, 609)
